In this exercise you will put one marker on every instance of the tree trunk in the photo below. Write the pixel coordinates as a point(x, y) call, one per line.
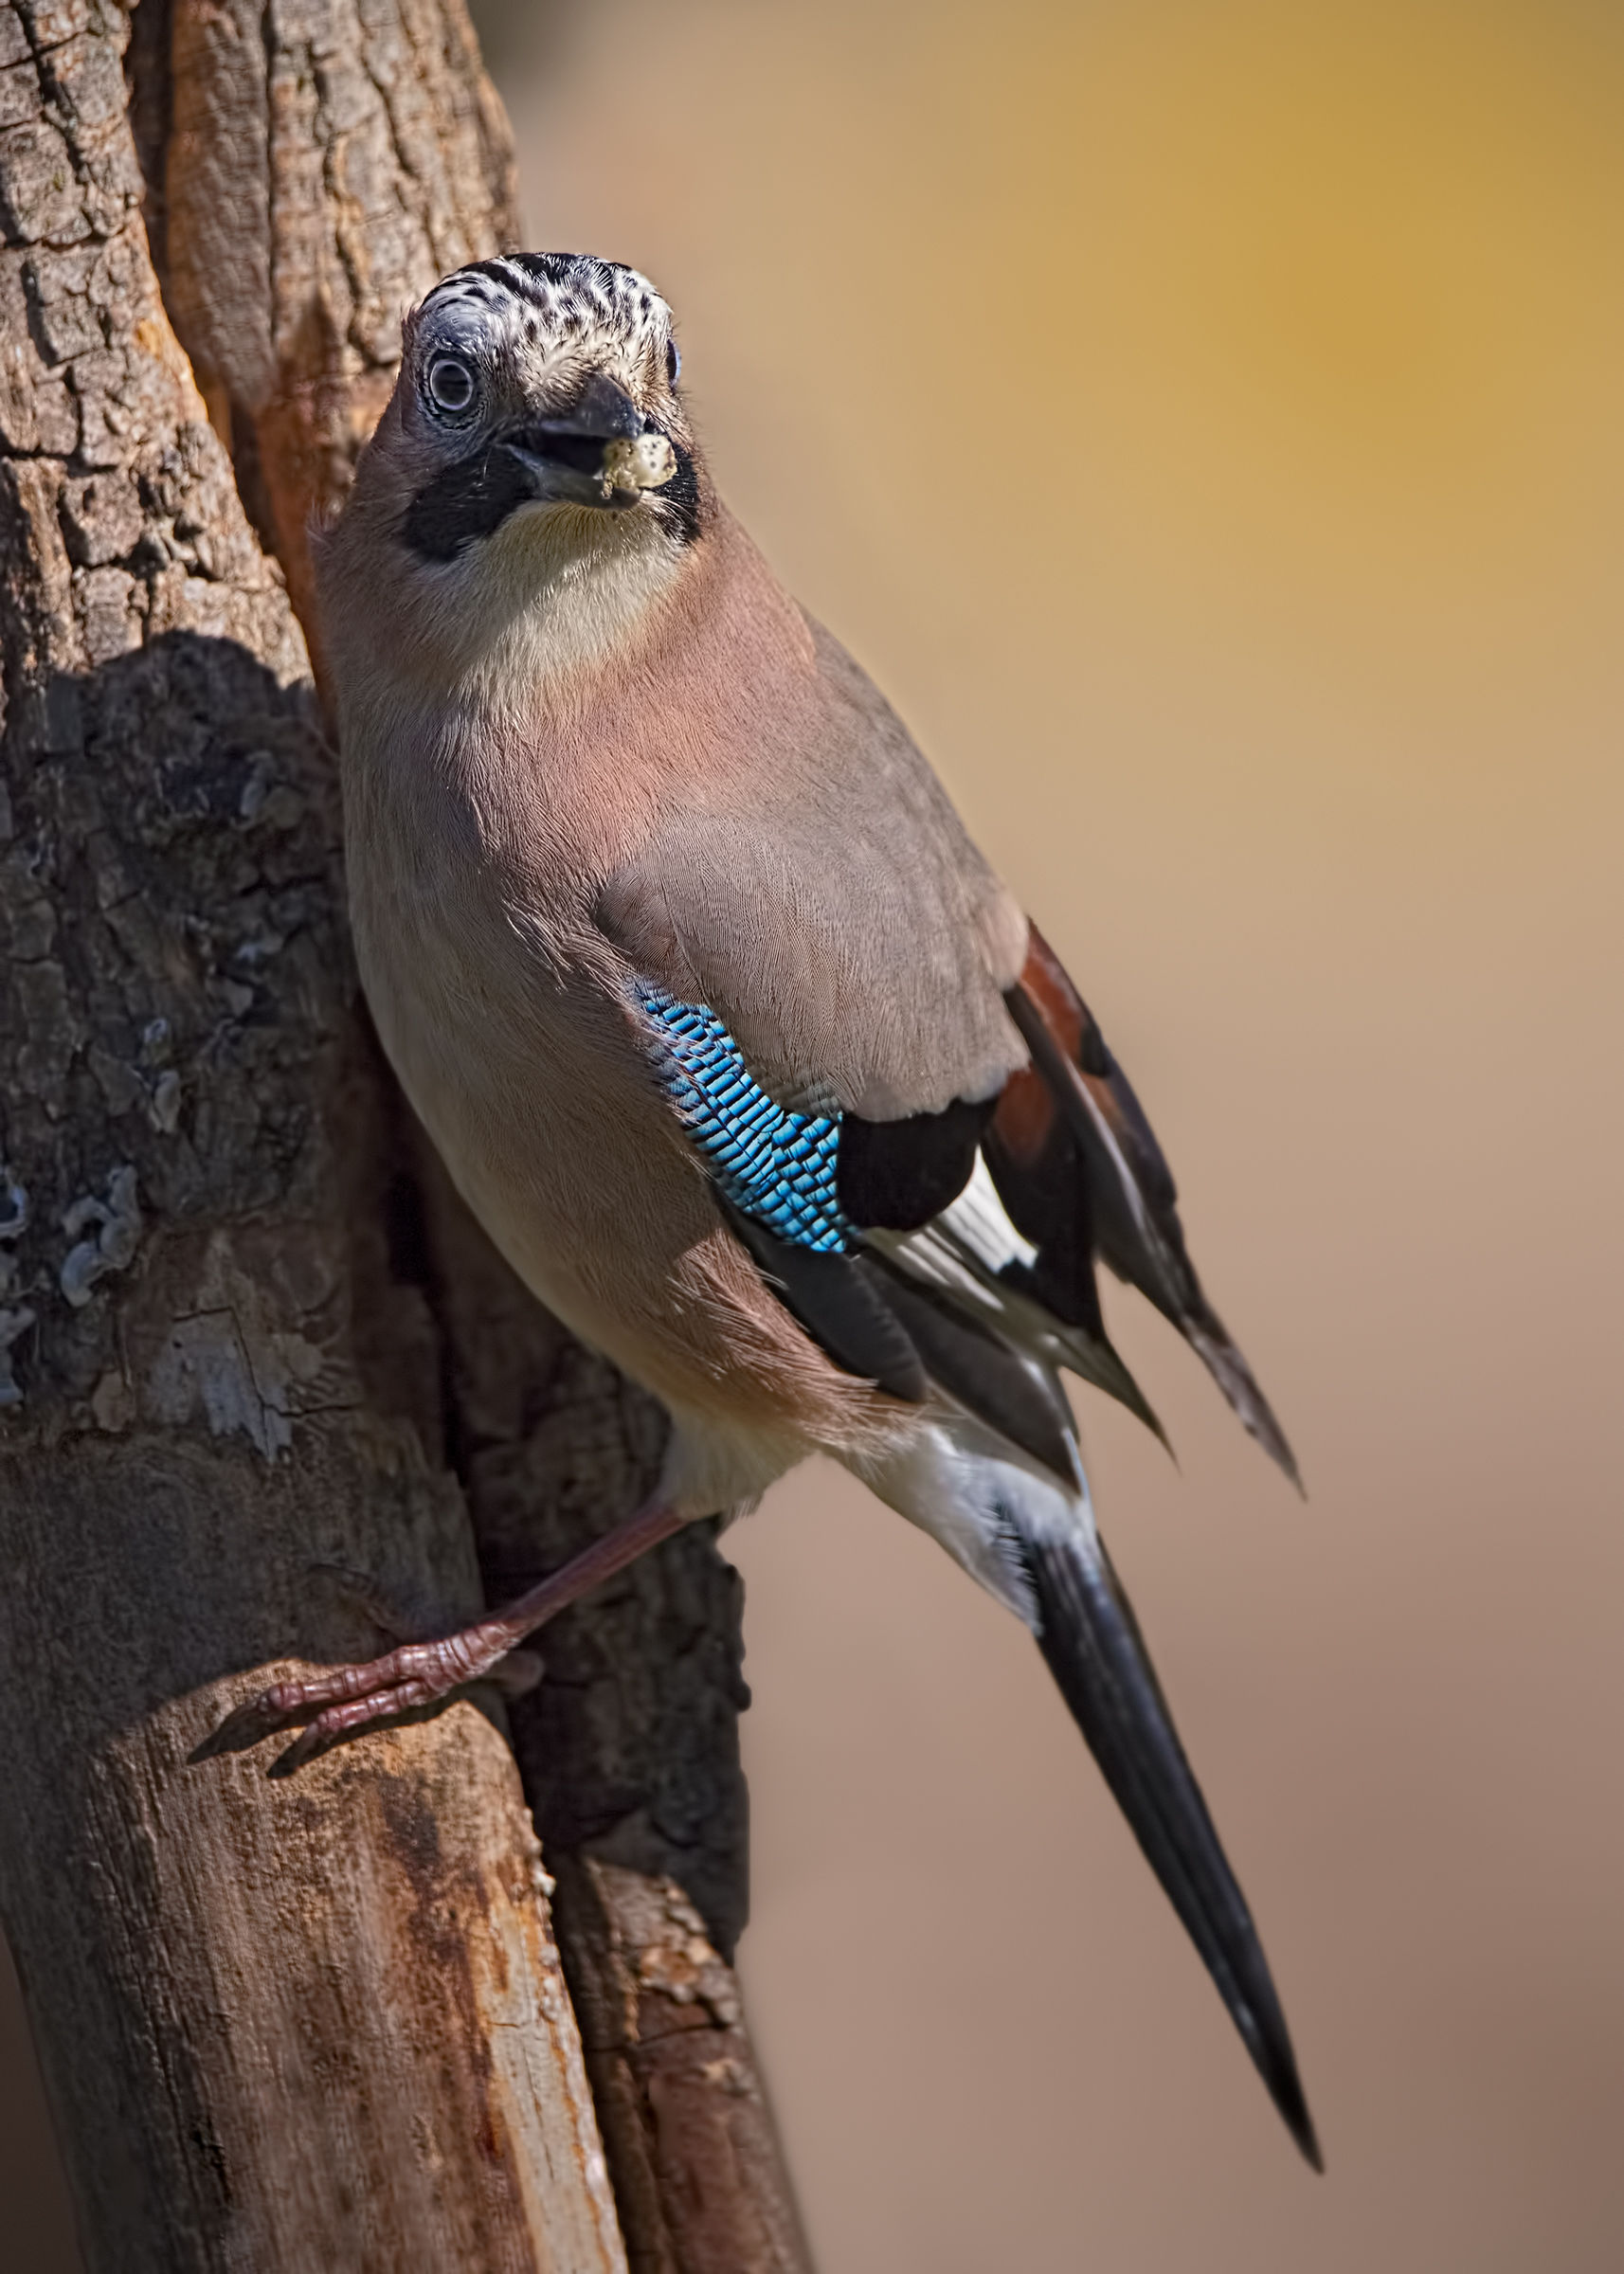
point(629, 1752)
point(305, 2025)
point(696, 2161)
point(320, 2022)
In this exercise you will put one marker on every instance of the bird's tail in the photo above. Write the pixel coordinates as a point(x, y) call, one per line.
point(1091, 1639)
point(1031, 1539)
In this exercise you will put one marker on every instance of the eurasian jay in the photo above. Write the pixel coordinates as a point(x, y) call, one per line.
point(730, 1038)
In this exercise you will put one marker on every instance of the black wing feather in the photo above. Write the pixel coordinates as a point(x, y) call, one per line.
point(894, 1176)
point(1019, 1397)
point(1126, 1189)
point(839, 1308)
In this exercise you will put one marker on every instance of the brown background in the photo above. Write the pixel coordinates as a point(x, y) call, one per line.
point(1205, 420)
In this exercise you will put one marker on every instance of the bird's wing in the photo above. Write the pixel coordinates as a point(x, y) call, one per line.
point(885, 1066)
point(1077, 1166)
point(818, 890)
point(892, 1245)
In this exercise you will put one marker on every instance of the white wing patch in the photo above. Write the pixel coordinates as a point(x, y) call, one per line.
point(965, 1247)
point(962, 1253)
point(978, 1222)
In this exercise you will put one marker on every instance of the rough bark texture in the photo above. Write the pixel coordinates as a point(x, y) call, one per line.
point(629, 1748)
point(282, 2026)
point(321, 163)
point(695, 2160)
point(249, 1341)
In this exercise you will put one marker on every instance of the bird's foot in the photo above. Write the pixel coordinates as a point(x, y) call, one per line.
point(349, 1698)
point(346, 1699)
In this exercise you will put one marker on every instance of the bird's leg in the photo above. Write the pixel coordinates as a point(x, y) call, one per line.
point(345, 1699)
point(514, 1675)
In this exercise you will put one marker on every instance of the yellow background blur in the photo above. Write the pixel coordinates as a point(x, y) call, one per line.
point(1206, 420)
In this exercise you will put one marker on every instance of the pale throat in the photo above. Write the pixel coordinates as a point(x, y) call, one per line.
point(557, 600)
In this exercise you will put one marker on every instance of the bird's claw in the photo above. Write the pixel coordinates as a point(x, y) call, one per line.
point(246, 1725)
point(347, 1699)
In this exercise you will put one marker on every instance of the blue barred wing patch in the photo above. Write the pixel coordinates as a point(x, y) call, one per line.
point(773, 1165)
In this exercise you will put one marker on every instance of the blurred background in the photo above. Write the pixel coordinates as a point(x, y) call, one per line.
point(1203, 418)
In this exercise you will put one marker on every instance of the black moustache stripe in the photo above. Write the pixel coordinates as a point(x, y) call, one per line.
point(463, 503)
point(677, 503)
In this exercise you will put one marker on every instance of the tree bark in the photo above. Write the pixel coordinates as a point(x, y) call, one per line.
point(250, 1386)
point(696, 2159)
point(629, 1752)
point(317, 165)
point(301, 2025)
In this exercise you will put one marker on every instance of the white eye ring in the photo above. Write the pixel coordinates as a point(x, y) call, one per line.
point(451, 384)
point(672, 361)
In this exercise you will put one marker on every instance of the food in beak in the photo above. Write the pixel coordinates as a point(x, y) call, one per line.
point(646, 463)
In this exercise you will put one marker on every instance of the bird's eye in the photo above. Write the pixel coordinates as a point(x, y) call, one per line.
point(451, 384)
point(673, 362)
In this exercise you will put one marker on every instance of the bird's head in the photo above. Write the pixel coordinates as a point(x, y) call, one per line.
point(535, 425)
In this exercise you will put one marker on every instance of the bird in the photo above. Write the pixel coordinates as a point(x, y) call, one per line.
point(752, 1068)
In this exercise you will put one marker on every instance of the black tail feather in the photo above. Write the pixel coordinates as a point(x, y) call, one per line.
point(1091, 1641)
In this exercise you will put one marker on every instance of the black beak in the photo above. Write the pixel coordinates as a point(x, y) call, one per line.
point(563, 454)
point(603, 413)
